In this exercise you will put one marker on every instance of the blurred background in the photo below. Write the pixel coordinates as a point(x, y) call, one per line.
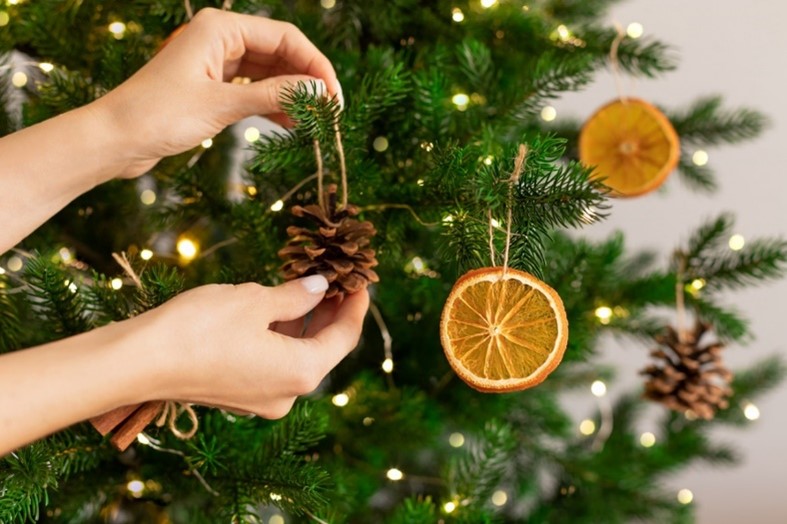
point(737, 50)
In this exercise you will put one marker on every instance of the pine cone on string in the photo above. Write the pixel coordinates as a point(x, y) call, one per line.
point(690, 377)
point(338, 248)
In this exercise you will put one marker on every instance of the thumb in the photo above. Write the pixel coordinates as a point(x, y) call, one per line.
point(264, 97)
point(294, 299)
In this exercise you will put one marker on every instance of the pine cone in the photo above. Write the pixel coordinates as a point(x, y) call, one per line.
point(689, 376)
point(337, 248)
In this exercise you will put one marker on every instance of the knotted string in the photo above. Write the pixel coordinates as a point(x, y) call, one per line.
point(519, 165)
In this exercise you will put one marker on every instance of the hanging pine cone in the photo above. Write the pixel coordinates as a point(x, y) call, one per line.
point(337, 248)
point(691, 376)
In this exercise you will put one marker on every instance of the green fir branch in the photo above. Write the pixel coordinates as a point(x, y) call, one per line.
point(706, 123)
point(11, 328)
point(698, 178)
point(415, 510)
point(160, 283)
point(51, 286)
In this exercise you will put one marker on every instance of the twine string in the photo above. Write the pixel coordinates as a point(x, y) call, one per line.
point(491, 239)
point(519, 165)
point(342, 162)
point(189, 9)
point(614, 62)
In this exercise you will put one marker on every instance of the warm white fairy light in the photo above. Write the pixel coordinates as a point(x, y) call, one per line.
point(146, 254)
point(187, 248)
point(13, 2)
point(328, 4)
point(751, 412)
point(563, 33)
point(548, 114)
point(143, 439)
point(449, 507)
point(427, 146)
point(73, 287)
point(448, 219)
point(737, 242)
point(136, 487)
point(2, 270)
point(251, 190)
point(118, 29)
point(148, 197)
point(420, 182)
point(418, 264)
point(488, 160)
point(700, 157)
point(598, 388)
point(587, 427)
point(394, 474)
point(116, 283)
point(495, 222)
point(380, 144)
point(388, 365)
point(341, 400)
point(65, 254)
point(46, 67)
point(604, 314)
point(697, 284)
point(4, 18)
point(14, 264)
point(461, 101)
point(208, 142)
point(647, 439)
point(457, 15)
point(499, 498)
point(486, 4)
point(19, 79)
point(456, 440)
point(251, 134)
point(685, 496)
point(276, 519)
point(277, 206)
point(275, 496)
point(635, 30)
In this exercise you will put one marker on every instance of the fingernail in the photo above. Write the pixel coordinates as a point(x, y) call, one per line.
point(316, 87)
point(315, 284)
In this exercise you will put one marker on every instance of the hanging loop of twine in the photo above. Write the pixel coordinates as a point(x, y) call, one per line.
point(519, 165)
point(171, 410)
point(614, 62)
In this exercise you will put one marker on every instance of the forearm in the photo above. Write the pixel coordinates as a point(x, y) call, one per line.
point(49, 387)
point(46, 166)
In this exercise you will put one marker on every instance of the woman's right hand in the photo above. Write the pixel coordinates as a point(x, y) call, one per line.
point(240, 346)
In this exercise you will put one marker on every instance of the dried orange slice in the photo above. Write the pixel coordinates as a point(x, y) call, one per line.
point(503, 330)
point(632, 144)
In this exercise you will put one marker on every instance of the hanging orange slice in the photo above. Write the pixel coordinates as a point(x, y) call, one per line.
point(632, 145)
point(503, 330)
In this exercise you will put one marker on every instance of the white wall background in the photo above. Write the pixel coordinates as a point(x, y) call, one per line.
point(736, 49)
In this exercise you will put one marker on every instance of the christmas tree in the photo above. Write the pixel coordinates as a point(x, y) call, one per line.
point(448, 145)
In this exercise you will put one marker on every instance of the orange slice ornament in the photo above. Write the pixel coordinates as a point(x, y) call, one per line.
point(503, 330)
point(632, 145)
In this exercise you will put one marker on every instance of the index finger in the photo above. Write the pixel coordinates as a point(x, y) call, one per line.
point(332, 343)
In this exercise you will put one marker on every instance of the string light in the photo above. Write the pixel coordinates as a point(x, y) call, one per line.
point(2, 270)
point(388, 365)
point(420, 182)
point(700, 157)
point(275, 496)
point(276, 519)
point(251, 190)
point(449, 507)
point(499, 498)
point(148, 197)
point(751, 412)
point(697, 284)
point(448, 219)
point(635, 30)
point(143, 439)
point(394, 474)
point(252, 134)
point(65, 254)
point(647, 439)
point(116, 283)
point(685, 496)
point(427, 146)
point(208, 142)
point(457, 15)
point(495, 222)
point(71, 286)
point(380, 144)
point(277, 206)
point(456, 440)
point(368, 421)
point(563, 33)
point(587, 427)
point(548, 114)
point(341, 400)
point(737, 242)
point(461, 101)
point(598, 388)
point(488, 160)
point(486, 4)
point(4, 18)
point(14, 264)
point(604, 314)
point(118, 29)
point(146, 254)
point(136, 487)
point(19, 79)
point(46, 67)
point(187, 249)
point(328, 4)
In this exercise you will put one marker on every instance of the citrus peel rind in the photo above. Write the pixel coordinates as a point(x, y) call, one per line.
point(502, 330)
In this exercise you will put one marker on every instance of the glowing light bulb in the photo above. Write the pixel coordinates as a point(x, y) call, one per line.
point(488, 160)
point(388, 365)
point(449, 507)
point(394, 474)
point(116, 283)
point(380, 144)
point(456, 440)
point(604, 314)
point(277, 206)
point(598, 388)
point(252, 134)
point(418, 264)
point(737, 242)
point(647, 439)
point(486, 4)
point(328, 4)
point(136, 487)
point(697, 284)
point(251, 190)
point(146, 254)
point(143, 439)
point(751, 412)
point(2, 271)
point(340, 400)
point(460, 100)
point(118, 29)
point(276, 519)
point(457, 15)
point(187, 248)
point(495, 222)
point(148, 197)
point(548, 114)
point(420, 182)
point(700, 157)
point(587, 427)
point(46, 67)
point(19, 79)
point(14, 264)
point(685, 496)
point(563, 33)
point(275, 496)
point(499, 498)
point(4, 18)
point(208, 142)
point(635, 30)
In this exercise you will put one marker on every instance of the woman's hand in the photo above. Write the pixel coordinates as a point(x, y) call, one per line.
point(185, 95)
point(242, 347)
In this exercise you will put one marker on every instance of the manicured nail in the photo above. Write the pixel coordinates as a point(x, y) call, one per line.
point(316, 87)
point(315, 284)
